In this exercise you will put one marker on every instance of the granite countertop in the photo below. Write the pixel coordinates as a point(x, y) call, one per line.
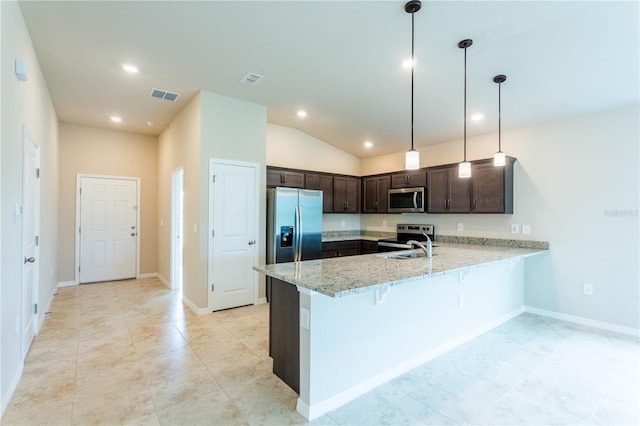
point(338, 277)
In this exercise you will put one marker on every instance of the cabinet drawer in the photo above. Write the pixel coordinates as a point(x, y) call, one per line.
point(329, 246)
point(345, 245)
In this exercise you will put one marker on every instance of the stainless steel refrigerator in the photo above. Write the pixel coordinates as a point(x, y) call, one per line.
point(294, 225)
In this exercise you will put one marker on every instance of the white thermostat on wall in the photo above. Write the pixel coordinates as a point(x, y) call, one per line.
point(21, 71)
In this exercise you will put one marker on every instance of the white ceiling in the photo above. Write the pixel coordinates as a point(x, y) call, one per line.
point(340, 60)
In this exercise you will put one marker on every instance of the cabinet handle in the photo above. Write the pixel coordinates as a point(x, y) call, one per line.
point(284, 178)
point(474, 203)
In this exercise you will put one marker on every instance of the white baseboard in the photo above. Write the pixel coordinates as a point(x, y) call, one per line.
point(6, 396)
point(628, 331)
point(148, 275)
point(261, 301)
point(66, 284)
point(194, 308)
point(330, 404)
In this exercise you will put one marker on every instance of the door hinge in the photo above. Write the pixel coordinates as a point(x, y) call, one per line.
point(35, 308)
point(78, 269)
point(36, 240)
point(212, 287)
point(214, 178)
point(79, 230)
point(80, 190)
point(38, 173)
point(212, 233)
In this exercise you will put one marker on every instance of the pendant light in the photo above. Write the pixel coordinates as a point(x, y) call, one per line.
point(412, 157)
point(464, 168)
point(498, 157)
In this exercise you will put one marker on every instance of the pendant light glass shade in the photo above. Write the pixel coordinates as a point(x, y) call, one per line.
point(464, 169)
point(499, 157)
point(412, 160)
point(412, 157)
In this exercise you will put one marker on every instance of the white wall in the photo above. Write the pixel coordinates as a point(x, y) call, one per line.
point(288, 147)
point(577, 185)
point(25, 103)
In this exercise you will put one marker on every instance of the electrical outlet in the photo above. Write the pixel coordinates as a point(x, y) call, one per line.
point(515, 228)
point(460, 227)
point(384, 223)
point(461, 300)
point(343, 223)
point(305, 318)
point(587, 289)
point(526, 229)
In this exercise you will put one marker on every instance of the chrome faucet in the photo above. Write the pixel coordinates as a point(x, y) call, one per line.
point(428, 249)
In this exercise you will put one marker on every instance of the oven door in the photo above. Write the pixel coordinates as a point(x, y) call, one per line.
point(406, 200)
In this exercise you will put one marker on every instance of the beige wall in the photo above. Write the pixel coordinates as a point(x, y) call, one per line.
point(89, 150)
point(179, 147)
point(288, 147)
point(24, 104)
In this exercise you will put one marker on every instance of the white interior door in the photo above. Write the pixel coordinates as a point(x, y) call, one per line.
point(30, 230)
point(233, 251)
point(177, 228)
point(108, 229)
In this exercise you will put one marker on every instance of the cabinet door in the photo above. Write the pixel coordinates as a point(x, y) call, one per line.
point(487, 188)
point(409, 179)
point(283, 177)
point(346, 194)
point(459, 192)
point(323, 183)
point(375, 194)
point(438, 190)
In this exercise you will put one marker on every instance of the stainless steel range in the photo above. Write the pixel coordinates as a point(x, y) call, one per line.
point(404, 233)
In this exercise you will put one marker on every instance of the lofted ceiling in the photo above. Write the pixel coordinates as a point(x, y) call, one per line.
point(340, 61)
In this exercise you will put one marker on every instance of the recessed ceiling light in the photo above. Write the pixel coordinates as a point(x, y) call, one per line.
point(151, 123)
point(130, 68)
point(477, 116)
point(116, 119)
point(368, 144)
point(302, 113)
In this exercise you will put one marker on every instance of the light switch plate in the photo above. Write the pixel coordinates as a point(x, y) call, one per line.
point(460, 227)
point(304, 318)
point(526, 229)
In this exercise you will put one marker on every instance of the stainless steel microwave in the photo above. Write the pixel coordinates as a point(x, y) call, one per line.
point(406, 200)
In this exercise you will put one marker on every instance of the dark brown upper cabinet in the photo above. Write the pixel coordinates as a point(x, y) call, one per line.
point(492, 187)
point(375, 193)
point(409, 179)
point(285, 177)
point(446, 192)
point(346, 194)
point(324, 183)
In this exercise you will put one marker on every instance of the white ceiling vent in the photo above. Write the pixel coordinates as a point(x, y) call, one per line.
point(251, 78)
point(163, 94)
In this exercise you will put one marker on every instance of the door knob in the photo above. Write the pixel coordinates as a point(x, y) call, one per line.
point(252, 242)
point(29, 260)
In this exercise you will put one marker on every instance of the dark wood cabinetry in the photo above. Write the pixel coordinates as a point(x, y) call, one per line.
point(492, 187)
point(409, 179)
point(284, 332)
point(375, 194)
point(488, 190)
point(284, 177)
point(340, 248)
point(323, 183)
point(368, 246)
point(446, 192)
point(346, 194)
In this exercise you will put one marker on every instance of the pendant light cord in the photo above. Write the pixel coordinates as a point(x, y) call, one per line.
point(465, 104)
point(413, 64)
point(499, 117)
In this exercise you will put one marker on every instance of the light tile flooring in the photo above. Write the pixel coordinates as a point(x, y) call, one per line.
point(128, 352)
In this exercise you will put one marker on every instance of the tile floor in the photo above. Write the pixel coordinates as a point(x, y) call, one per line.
point(129, 352)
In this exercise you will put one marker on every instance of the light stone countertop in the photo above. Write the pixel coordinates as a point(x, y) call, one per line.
point(338, 277)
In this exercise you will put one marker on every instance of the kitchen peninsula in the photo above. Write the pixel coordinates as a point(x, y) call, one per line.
point(364, 320)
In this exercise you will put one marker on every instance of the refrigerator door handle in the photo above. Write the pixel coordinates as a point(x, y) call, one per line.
point(298, 234)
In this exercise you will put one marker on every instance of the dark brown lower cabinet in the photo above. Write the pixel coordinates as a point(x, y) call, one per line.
point(284, 332)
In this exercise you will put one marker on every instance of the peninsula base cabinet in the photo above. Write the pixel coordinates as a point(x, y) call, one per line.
point(284, 332)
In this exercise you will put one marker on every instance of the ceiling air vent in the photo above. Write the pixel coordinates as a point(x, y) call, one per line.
point(163, 94)
point(251, 78)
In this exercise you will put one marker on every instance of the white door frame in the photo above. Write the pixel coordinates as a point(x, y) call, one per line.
point(28, 138)
point(175, 222)
point(256, 224)
point(79, 177)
